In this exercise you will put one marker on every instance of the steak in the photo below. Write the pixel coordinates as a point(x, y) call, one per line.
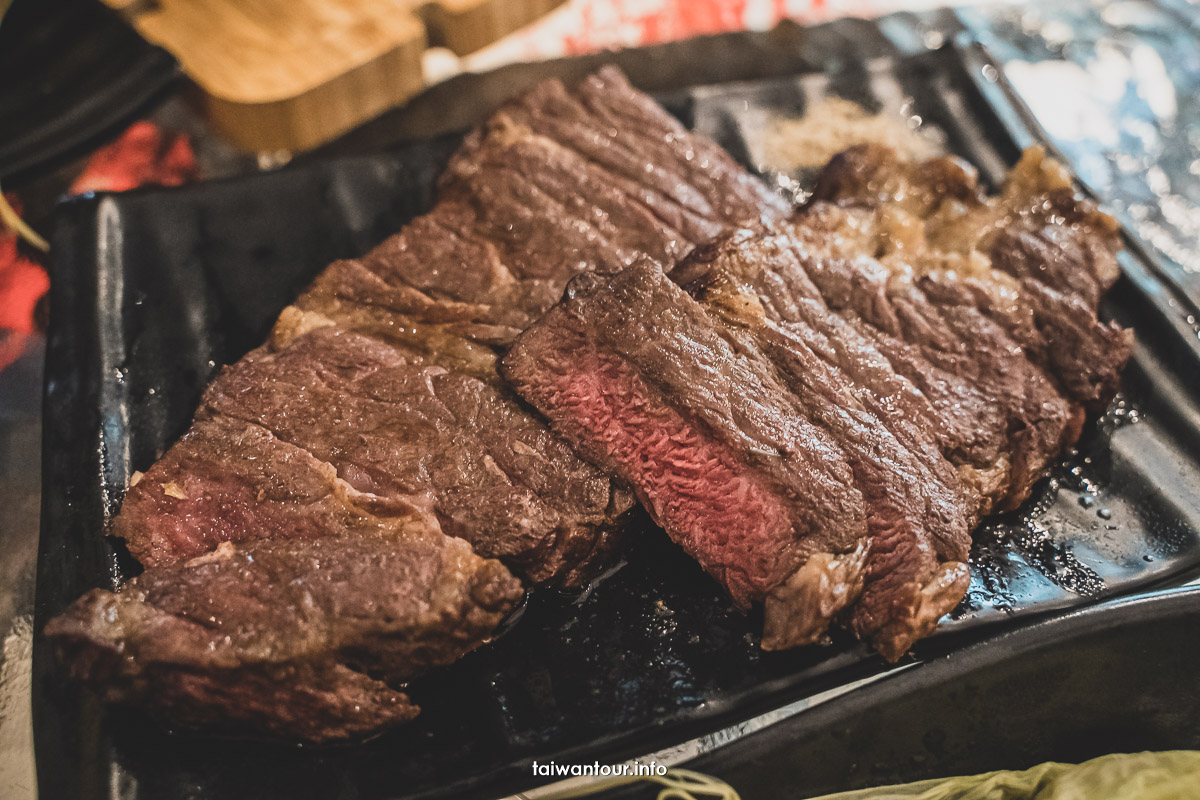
point(301, 638)
point(415, 438)
point(375, 410)
point(642, 379)
point(820, 410)
point(231, 481)
point(751, 452)
point(561, 182)
point(385, 368)
point(1047, 255)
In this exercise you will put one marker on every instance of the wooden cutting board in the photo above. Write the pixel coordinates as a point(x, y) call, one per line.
point(291, 74)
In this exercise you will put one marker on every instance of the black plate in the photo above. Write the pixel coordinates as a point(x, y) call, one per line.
point(154, 289)
point(1109, 679)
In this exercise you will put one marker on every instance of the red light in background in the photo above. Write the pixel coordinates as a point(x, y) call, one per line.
point(143, 154)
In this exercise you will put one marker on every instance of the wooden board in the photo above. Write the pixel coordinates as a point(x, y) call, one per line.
point(291, 74)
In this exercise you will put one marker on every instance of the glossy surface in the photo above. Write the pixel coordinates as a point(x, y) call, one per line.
point(154, 289)
point(1114, 86)
point(1067, 689)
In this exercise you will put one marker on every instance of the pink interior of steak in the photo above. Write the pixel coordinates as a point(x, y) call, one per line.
point(724, 514)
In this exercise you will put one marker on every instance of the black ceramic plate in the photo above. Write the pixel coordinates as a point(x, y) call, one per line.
point(1067, 689)
point(154, 289)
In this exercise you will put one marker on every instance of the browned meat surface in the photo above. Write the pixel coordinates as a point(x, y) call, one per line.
point(376, 404)
point(918, 352)
point(752, 452)
point(561, 182)
point(427, 426)
point(418, 439)
point(301, 638)
point(230, 480)
point(1036, 258)
point(721, 453)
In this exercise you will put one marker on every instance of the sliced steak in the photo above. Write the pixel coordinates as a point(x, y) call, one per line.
point(354, 298)
point(232, 481)
point(1060, 248)
point(830, 496)
point(376, 405)
point(917, 517)
point(991, 412)
point(417, 438)
point(905, 381)
point(599, 172)
point(721, 453)
point(302, 638)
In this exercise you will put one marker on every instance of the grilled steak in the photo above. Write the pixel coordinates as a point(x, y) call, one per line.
point(1051, 254)
point(376, 410)
point(826, 407)
point(303, 638)
point(561, 182)
point(419, 439)
point(750, 451)
point(722, 455)
point(233, 481)
point(410, 410)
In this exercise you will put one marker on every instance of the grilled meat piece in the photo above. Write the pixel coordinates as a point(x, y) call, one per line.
point(419, 439)
point(428, 427)
point(754, 454)
point(302, 638)
point(376, 410)
point(559, 182)
point(835, 400)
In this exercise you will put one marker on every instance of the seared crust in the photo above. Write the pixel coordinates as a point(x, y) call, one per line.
point(903, 357)
point(220, 641)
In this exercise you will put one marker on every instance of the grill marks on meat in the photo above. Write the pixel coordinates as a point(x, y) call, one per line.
point(301, 638)
point(913, 336)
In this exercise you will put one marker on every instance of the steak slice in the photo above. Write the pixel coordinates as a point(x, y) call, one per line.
point(1060, 249)
point(959, 377)
point(623, 140)
point(916, 514)
point(302, 638)
point(352, 297)
point(755, 454)
point(416, 438)
point(724, 457)
point(929, 406)
point(231, 481)
point(599, 172)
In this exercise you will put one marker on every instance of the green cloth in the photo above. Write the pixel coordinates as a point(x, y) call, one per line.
point(1173, 775)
